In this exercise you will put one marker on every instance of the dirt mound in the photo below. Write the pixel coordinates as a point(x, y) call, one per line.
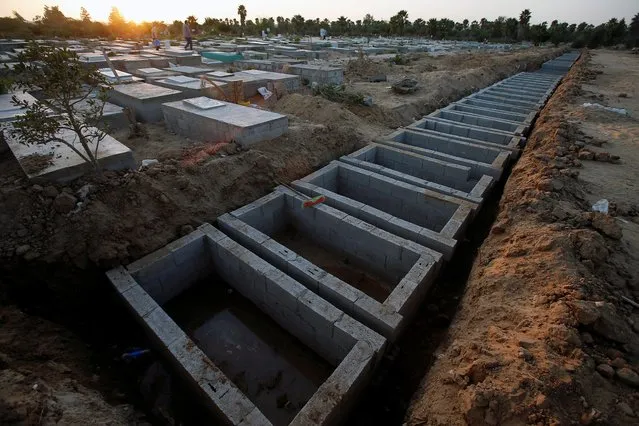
point(317, 110)
point(363, 68)
point(542, 335)
point(42, 377)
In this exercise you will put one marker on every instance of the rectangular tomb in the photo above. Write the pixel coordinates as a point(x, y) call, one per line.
point(516, 94)
point(525, 119)
point(250, 83)
point(319, 74)
point(57, 162)
point(481, 121)
point(144, 99)
point(256, 346)
point(426, 172)
point(482, 160)
point(113, 116)
point(426, 217)
point(9, 111)
point(189, 71)
point(291, 82)
point(194, 87)
point(224, 122)
point(151, 74)
point(469, 133)
point(495, 104)
point(494, 97)
point(374, 276)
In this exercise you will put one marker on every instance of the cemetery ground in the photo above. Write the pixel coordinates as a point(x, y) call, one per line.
point(62, 334)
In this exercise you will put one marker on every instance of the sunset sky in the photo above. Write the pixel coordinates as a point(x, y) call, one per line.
point(572, 11)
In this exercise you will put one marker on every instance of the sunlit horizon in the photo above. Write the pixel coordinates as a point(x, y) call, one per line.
point(572, 11)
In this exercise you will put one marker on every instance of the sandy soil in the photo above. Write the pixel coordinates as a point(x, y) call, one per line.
point(441, 78)
point(543, 334)
point(59, 255)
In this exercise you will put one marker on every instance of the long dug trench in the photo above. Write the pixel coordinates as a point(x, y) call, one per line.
point(386, 399)
point(363, 218)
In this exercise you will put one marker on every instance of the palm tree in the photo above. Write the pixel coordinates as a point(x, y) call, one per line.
point(241, 10)
point(524, 23)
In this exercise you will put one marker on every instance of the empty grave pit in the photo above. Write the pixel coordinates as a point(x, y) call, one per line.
point(258, 347)
point(480, 121)
point(482, 160)
point(470, 133)
point(372, 275)
point(530, 87)
point(496, 104)
point(429, 173)
point(517, 94)
point(505, 99)
point(526, 119)
point(426, 217)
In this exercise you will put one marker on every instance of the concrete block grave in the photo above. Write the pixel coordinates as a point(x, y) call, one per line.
point(318, 74)
point(130, 63)
point(505, 99)
point(245, 335)
point(468, 133)
point(525, 119)
point(250, 83)
point(372, 275)
point(513, 93)
point(113, 116)
point(9, 111)
point(513, 127)
point(422, 171)
point(210, 120)
point(189, 70)
point(291, 82)
point(193, 87)
point(495, 104)
point(144, 99)
point(426, 217)
point(151, 74)
point(56, 162)
point(482, 160)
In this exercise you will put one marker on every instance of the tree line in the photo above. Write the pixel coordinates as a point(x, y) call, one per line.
point(53, 23)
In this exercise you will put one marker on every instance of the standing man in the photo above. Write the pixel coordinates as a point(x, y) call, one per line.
point(187, 36)
point(156, 37)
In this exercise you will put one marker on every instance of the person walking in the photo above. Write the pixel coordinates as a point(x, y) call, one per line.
point(187, 36)
point(155, 36)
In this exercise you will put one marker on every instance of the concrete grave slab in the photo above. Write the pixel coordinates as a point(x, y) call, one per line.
point(189, 70)
point(56, 162)
point(144, 99)
point(232, 122)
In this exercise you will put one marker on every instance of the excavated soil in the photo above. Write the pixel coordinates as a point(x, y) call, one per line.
point(53, 251)
point(442, 79)
point(543, 334)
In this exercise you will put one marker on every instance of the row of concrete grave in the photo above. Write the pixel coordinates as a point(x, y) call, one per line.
point(177, 96)
point(344, 276)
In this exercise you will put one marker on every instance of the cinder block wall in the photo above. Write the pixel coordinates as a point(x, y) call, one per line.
point(393, 197)
point(442, 144)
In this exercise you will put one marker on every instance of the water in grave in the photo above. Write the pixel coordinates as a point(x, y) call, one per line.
point(277, 372)
point(341, 265)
